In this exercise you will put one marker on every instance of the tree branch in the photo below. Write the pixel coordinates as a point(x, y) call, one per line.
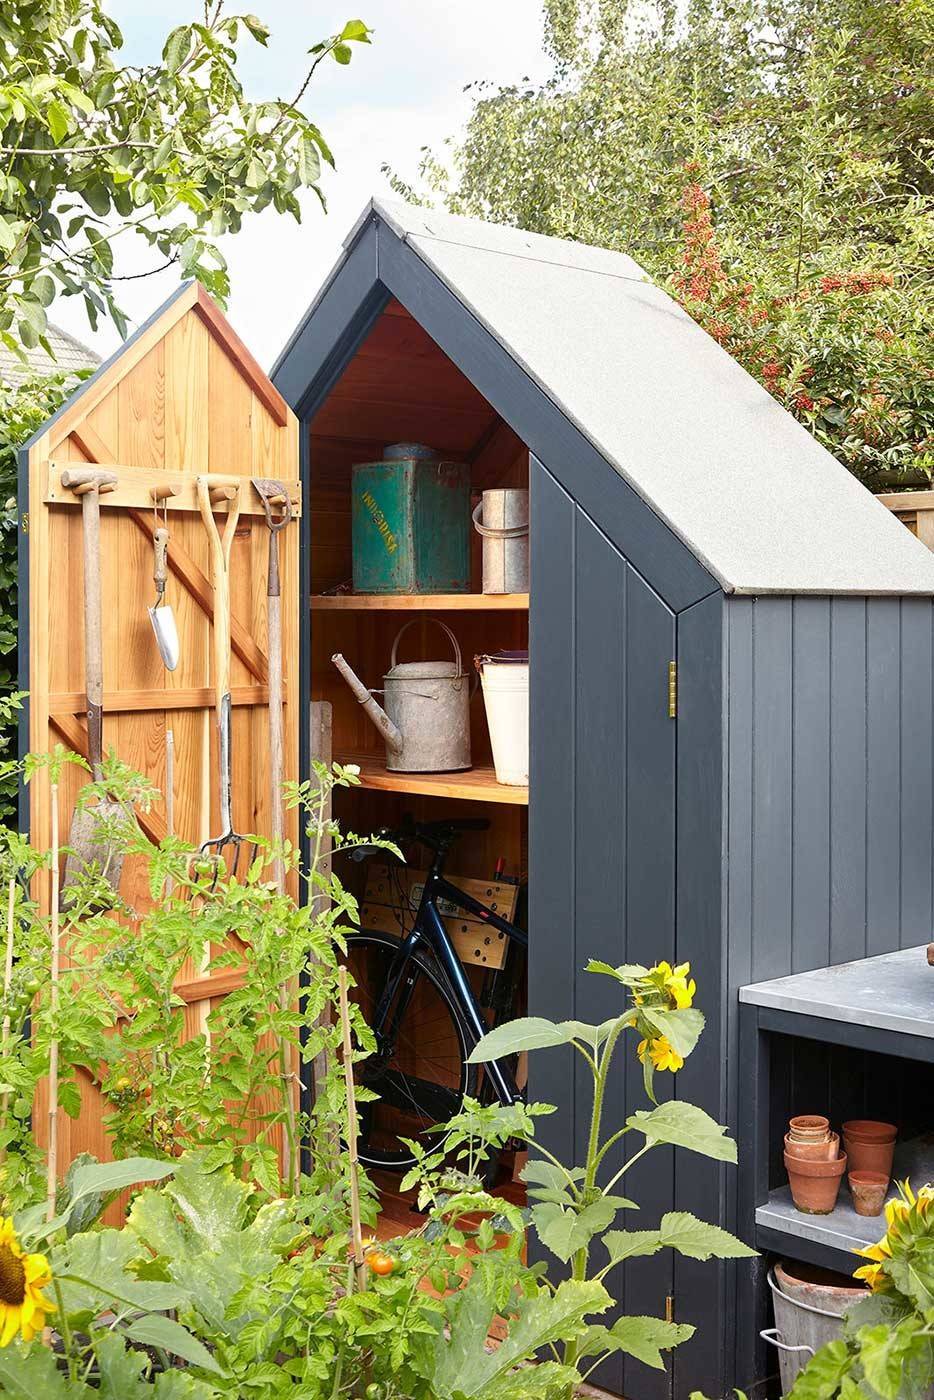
point(78, 150)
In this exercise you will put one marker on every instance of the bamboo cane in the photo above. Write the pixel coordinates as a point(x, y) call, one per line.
point(356, 1227)
point(52, 1158)
point(7, 983)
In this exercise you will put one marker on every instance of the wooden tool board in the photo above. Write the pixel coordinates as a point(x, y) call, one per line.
point(184, 397)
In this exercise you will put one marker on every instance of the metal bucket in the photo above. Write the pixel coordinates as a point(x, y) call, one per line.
point(809, 1312)
point(428, 702)
point(502, 518)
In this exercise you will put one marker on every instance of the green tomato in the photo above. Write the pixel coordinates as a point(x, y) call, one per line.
point(373, 1391)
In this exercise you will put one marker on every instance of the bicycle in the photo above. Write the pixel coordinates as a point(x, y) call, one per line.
point(425, 1017)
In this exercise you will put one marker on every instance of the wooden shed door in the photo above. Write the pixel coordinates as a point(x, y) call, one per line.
point(184, 397)
point(601, 841)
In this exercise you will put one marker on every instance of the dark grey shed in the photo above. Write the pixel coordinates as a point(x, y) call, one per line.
point(783, 819)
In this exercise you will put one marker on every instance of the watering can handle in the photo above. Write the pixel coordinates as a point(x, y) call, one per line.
point(457, 651)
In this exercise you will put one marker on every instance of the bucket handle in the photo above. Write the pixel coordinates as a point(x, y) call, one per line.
point(495, 532)
point(405, 627)
point(774, 1338)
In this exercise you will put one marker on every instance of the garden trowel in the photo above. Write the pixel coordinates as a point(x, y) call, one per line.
point(160, 614)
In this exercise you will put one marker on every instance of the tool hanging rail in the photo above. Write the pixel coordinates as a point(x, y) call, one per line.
point(141, 487)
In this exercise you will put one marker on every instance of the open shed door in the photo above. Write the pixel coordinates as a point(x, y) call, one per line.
point(183, 397)
point(601, 849)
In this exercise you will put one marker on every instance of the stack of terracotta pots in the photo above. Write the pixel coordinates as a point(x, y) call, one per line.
point(814, 1164)
point(870, 1148)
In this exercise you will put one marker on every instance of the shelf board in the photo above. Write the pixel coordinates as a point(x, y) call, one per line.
point(843, 1230)
point(412, 602)
point(477, 784)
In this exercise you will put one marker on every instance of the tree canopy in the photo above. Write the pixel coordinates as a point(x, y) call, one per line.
point(771, 162)
point(94, 149)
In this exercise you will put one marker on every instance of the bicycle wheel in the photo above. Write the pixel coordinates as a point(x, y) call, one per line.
point(420, 1072)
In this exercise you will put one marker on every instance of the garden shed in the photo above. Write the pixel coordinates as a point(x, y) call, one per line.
point(730, 645)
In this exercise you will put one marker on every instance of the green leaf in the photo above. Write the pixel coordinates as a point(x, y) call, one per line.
point(309, 161)
point(355, 29)
point(627, 973)
point(257, 28)
point(684, 1125)
point(697, 1240)
point(821, 1377)
point(27, 1373)
point(681, 1028)
point(646, 1338)
point(898, 1361)
point(99, 1178)
point(176, 48)
point(96, 1269)
point(564, 1231)
point(592, 1036)
point(58, 119)
point(631, 1244)
point(459, 1363)
point(159, 1331)
point(526, 1033)
point(121, 1370)
point(342, 53)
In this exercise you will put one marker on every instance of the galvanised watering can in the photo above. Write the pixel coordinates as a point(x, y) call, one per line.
point(426, 722)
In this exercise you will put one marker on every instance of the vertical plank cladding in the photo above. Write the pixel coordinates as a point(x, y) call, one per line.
point(834, 771)
point(552, 649)
point(916, 765)
point(883, 776)
point(702, 1186)
point(772, 787)
point(810, 811)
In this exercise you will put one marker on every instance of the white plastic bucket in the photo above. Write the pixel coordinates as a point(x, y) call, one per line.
point(506, 697)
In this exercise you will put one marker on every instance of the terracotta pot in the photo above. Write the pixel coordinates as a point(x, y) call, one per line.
point(866, 1130)
point(809, 1127)
point(870, 1146)
point(869, 1190)
point(814, 1185)
point(813, 1151)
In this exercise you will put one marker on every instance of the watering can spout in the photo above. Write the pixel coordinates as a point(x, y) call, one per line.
point(375, 711)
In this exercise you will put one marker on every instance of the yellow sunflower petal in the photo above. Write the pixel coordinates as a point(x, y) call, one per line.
point(36, 1267)
point(10, 1318)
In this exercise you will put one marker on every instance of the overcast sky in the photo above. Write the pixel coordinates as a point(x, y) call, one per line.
point(403, 92)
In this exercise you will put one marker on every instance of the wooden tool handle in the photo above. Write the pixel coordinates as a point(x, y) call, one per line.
point(93, 639)
point(276, 747)
point(220, 576)
point(160, 568)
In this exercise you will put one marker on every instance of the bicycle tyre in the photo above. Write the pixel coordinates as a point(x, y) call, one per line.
point(409, 1105)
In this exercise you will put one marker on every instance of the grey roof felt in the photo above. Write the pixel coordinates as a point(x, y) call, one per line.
point(68, 353)
point(745, 486)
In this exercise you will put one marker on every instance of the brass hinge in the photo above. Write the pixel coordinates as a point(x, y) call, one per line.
point(669, 1308)
point(672, 689)
point(26, 522)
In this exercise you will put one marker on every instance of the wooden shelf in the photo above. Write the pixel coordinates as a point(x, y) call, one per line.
point(410, 602)
point(475, 785)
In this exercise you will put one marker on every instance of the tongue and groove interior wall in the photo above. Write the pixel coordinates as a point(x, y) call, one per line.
point(182, 398)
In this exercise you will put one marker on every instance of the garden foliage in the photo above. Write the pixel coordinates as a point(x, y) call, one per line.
point(173, 152)
point(770, 163)
point(232, 1272)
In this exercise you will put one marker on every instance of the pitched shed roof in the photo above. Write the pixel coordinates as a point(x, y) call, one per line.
point(744, 485)
point(68, 353)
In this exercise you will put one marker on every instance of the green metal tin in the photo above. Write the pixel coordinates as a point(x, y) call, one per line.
point(411, 526)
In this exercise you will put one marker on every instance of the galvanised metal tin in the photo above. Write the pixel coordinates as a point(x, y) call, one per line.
point(411, 526)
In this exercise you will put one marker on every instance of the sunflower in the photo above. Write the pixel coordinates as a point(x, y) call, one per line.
point(661, 1053)
point(680, 990)
point(22, 1277)
point(872, 1274)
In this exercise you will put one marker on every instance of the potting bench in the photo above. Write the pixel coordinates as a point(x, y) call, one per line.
point(854, 1040)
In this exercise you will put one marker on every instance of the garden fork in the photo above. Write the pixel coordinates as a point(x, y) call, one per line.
point(228, 846)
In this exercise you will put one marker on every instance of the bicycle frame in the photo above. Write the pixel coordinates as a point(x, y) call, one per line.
point(429, 928)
